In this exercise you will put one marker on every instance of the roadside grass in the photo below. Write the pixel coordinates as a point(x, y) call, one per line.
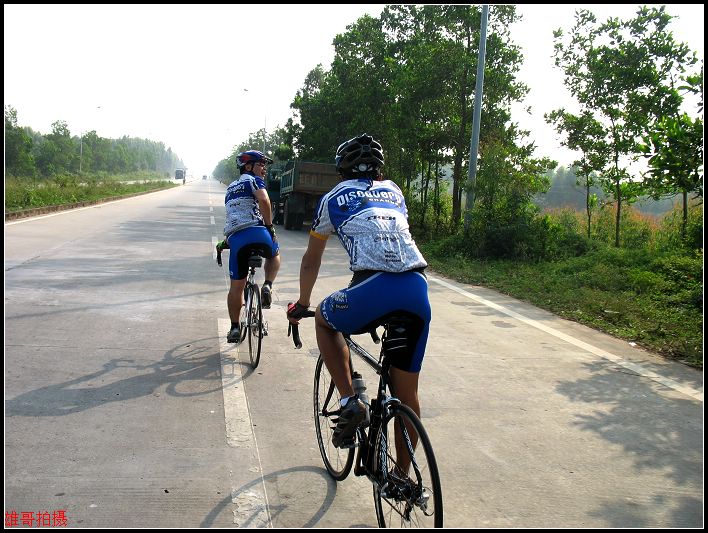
point(67, 189)
point(650, 298)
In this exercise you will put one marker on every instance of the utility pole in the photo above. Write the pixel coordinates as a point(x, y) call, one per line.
point(474, 143)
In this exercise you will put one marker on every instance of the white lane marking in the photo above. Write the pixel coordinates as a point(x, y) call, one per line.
point(251, 504)
point(211, 219)
point(668, 382)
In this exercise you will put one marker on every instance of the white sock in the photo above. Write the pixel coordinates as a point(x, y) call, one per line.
point(344, 401)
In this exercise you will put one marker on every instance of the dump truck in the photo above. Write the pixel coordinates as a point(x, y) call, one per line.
point(302, 184)
point(273, 188)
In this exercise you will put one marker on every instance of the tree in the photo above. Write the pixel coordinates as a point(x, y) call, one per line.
point(585, 134)
point(315, 116)
point(57, 152)
point(622, 73)
point(18, 147)
point(674, 148)
point(407, 78)
point(675, 152)
point(504, 213)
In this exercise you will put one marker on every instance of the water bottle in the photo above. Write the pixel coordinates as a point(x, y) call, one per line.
point(359, 387)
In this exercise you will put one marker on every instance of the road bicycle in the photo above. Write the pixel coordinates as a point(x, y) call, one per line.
point(251, 315)
point(403, 497)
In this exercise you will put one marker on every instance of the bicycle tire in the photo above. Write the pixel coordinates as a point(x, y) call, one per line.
point(337, 461)
point(255, 321)
point(243, 315)
point(407, 504)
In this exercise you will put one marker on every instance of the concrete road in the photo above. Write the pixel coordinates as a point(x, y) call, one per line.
point(124, 407)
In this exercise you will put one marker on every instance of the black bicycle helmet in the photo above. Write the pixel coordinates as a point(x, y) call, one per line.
point(252, 156)
point(359, 155)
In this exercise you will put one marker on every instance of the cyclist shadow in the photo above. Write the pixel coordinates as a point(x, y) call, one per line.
point(190, 369)
point(255, 515)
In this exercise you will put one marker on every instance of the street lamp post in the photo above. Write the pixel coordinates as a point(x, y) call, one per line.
point(476, 116)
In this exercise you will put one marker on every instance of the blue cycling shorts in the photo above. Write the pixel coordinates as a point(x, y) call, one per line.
point(382, 294)
point(243, 243)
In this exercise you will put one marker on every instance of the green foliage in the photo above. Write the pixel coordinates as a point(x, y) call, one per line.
point(675, 151)
point(16, 195)
point(622, 73)
point(674, 147)
point(18, 147)
point(66, 180)
point(684, 274)
point(564, 237)
point(380, 82)
point(652, 298)
point(278, 144)
point(637, 230)
point(642, 281)
point(68, 189)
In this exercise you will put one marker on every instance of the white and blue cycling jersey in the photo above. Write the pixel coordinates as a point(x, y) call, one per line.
point(241, 205)
point(371, 220)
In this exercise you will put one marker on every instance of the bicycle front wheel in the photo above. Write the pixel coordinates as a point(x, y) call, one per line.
point(255, 320)
point(326, 401)
point(243, 315)
point(409, 493)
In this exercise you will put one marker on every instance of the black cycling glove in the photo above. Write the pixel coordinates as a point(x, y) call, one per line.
point(271, 230)
point(220, 247)
point(296, 310)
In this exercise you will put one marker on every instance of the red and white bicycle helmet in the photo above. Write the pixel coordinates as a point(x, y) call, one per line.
point(252, 156)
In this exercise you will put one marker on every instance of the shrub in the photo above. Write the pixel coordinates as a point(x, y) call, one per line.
point(642, 281)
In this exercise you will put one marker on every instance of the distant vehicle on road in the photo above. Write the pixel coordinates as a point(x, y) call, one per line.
point(204, 177)
point(302, 184)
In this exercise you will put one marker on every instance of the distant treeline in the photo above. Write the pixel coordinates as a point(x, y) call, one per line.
point(29, 154)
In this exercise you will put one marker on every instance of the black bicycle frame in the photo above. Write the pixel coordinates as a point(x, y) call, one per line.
point(364, 459)
point(364, 463)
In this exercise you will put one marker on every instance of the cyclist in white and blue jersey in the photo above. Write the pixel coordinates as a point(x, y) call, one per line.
point(369, 215)
point(249, 228)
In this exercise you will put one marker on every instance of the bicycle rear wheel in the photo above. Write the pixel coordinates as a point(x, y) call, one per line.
point(338, 461)
point(415, 500)
point(255, 319)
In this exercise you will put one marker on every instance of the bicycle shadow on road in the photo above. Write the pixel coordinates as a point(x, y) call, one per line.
point(190, 369)
point(256, 517)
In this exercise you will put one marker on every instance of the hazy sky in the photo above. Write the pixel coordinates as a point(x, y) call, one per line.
point(201, 78)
